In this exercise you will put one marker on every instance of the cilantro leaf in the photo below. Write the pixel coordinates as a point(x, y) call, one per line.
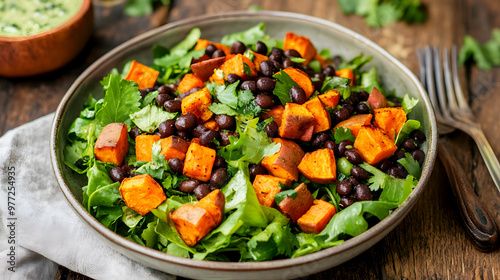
point(370, 79)
point(342, 133)
point(408, 103)
point(227, 95)
point(334, 82)
point(411, 165)
point(222, 109)
point(485, 55)
point(149, 118)
point(283, 85)
point(278, 198)
point(233, 101)
point(137, 8)
point(157, 166)
point(377, 181)
point(121, 99)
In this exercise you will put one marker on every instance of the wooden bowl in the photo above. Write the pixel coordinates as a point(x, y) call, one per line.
point(48, 50)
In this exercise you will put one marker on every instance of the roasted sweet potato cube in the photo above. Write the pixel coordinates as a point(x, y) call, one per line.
point(197, 104)
point(322, 119)
point(212, 125)
point(190, 81)
point(302, 79)
point(112, 143)
point(202, 44)
point(301, 44)
point(346, 73)
point(266, 187)
point(205, 69)
point(199, 162)
point(174, 147)
point(297, 122)
point(217, 77)
point(376, 99)
point(144, 76)
point(142, 193)
point(192, 223)
point(239, 65)
point(355, 122)
point(390, 119)
point(276, 112)
point(214, 203)
point(294, 208)
point(143, 145)
point(319, 166)
point(284, 163)
point(317, 217)
point(258, 58)
point(374, 145)
point(330, 98)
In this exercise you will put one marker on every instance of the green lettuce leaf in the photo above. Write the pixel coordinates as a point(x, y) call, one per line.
point(149, 118)
point(406, 129)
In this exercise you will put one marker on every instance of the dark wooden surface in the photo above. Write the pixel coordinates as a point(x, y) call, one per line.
point(430, 243)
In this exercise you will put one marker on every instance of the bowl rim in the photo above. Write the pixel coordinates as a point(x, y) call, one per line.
point(86, 6)
point(353, 242)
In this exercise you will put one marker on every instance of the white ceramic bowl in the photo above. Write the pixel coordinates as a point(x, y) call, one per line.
point(323, 34)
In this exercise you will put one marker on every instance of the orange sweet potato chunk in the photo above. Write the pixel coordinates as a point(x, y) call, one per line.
point(205, 69)
point(236, 65)
point(355, 122)
point(374, 145)
point(197, 103)
point(214, 203)
point(192, 223)
point(143, 145)
point(317, 217)
point(322, 119)
point(258, 58)
point(266, 187)
point(330, 98)
point(390, 119)
point(283, 164)
point(199, 162)
point(174, 147)
point(112, 143)
point(302, 79)
point(212, 124)
point(202, 44)
point(319, 166)
point(301, 44)
point(190, 81)
point(276, 112)
point(144, 76)
point(142, 193)
point(294, 208)
point(346, 73)
point(297, 122)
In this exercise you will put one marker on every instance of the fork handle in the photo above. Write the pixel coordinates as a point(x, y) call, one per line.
point(478, 223)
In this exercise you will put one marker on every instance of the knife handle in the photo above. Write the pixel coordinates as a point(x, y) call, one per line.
point(479, 225)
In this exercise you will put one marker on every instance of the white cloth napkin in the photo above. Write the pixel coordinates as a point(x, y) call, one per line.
point(44, 226)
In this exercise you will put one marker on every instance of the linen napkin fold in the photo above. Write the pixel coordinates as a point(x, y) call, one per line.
point(40, 229)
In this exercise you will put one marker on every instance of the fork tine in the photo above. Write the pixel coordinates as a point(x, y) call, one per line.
point(429, 78)
point(462, 103)
point(450, 91)
point(438, 72)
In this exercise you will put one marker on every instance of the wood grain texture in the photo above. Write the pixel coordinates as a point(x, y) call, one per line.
point(431, 242)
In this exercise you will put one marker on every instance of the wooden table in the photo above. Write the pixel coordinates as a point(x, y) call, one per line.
point(430, 243)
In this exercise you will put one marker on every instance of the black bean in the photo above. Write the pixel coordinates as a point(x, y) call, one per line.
point(396, 102)
point(362, 108)
point(261, 48)
point(342, 147)
point(308, 70)
point(353, 156)
point(264, 101)
point(173, 105)
point(362, 192)
point(134, 132)
point(265, 84)
point(419, 156)
point(342, 114)
point(218, 53)
point(359, 173)
point(238, 47)
point(117, 174)
point(206, 139)
point(143, 93)
point(418, 136)
point(345, 202)
point(292, 53)
point(218, 177)
point(199, 130)
point(172, 87)
point(409, 145)
point(161, 98)
point(331, 145)
point(353, 180)
point(233, 78)
point(298, 95)
point(176, 165)
point(183, 134)
point(166, 128)
point(336, 60)
point(267, 68)
point(349, 107)
point(396, 173)
point(225, 121)
point(210, 49)
point(275, 56)
point(399, 154)
point(385, 165)
point(129, 170)
point(186, 122)
point(249, 85)
point(165, 89)
point(225, 137)
point(277, 66)
point(363, 95)
point(257, 169)
point(287, 63)
point(319, 140)
point(278, 50)
point(201, 191)
point(182, 96)
point(272, 129)
point(402, 169)
point(188, 185)
point(319, 76)
point(157, 133)
point(344, 188)
point(329, 71)
point(219, 161)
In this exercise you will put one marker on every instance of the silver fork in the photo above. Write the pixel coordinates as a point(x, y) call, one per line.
point(479, 225)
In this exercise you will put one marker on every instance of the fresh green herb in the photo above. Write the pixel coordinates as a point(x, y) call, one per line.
point(149, 118)
point(485, 55)
point(406, 129)
point(355, 63)
point(342, 133)
point(297, 59)
point(278, 198)
point(370, 79)
point(247, 69)
point(255, 8)
point(157, 166)
point(408, 103)
point(411, 165)
point(283, 85)
point(334, 82)
point(233, 101)
point(250, 37)
point(315, 65)
point(137, 8)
